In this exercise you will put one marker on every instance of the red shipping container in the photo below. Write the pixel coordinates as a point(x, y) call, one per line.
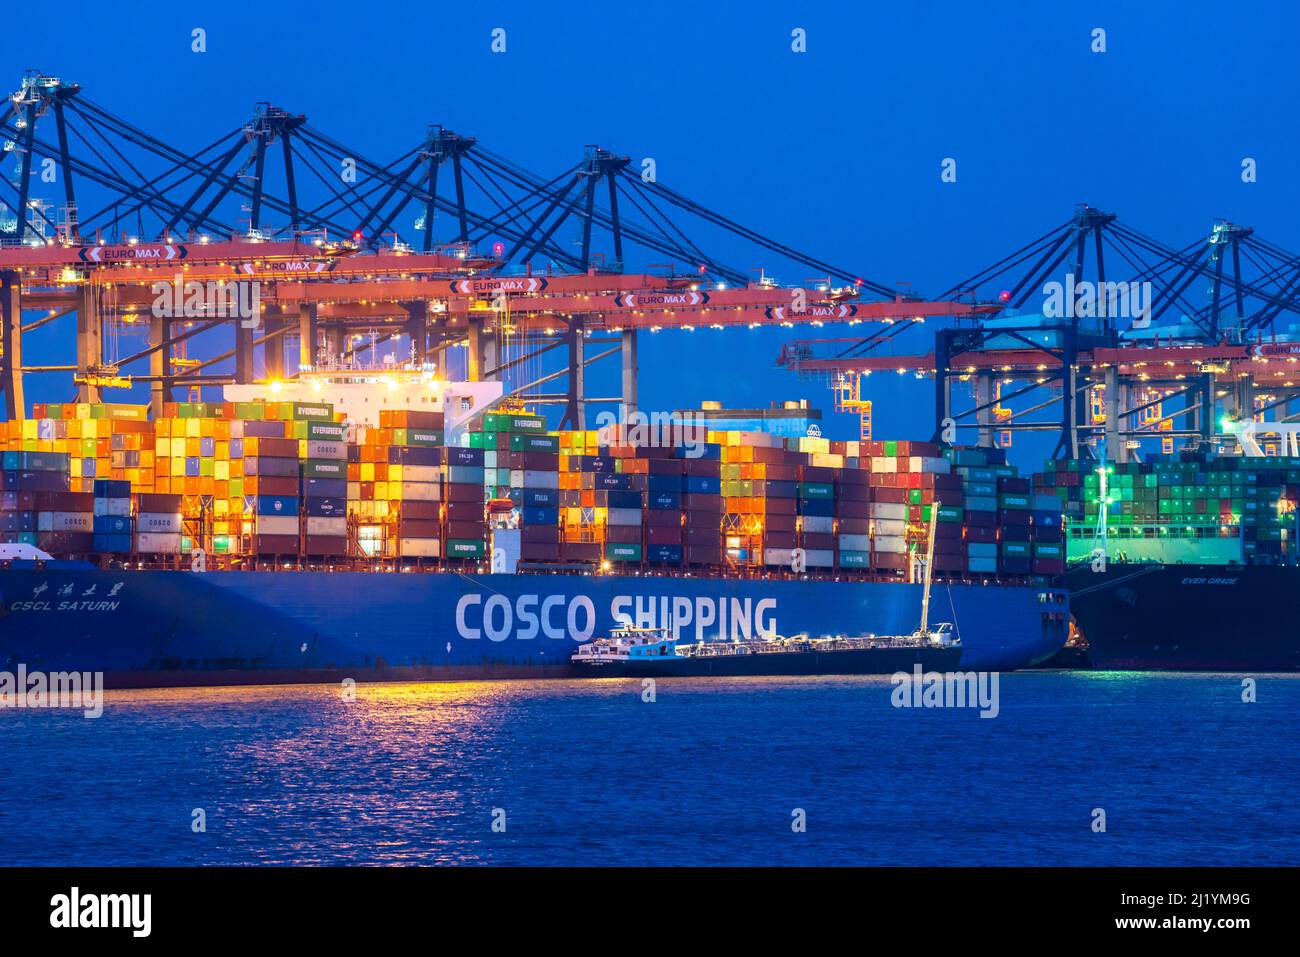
point(981, 533)
point(890, 496)
point(818, 540)
point(275, 544)
point(708, 468)
point(539, 552)
point(277, 485)
point(411, 508)
point(581, 551)
point(1048, 566)
point(709, 519)
point(464, 492)
point(702, 535)
point(418, 528)
point(663, 535)
point(466, 530)
point(889, 561)
point(538, 533)
point(980, 518)
point(662, 518)
point(949, 562)
point(703, 555)
point(780, 523)
point(667, 467)
point(1013, 516)
point(623, 534)
point(773, 539)
point(701, 502)
point(780, 506)
point(854, 525)
point(464, 511)
point(326, 546)
point(150, 502)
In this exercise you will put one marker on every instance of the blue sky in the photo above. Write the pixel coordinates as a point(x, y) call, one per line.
point(836, 151)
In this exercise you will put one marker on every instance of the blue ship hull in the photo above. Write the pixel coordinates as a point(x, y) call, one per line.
point(146, 628)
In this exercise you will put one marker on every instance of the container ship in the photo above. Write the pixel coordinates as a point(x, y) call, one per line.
point(1186, 561)
point(388, 525)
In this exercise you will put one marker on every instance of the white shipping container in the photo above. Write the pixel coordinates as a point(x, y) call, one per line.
point(319, 449)
point(277, 525)
point(158, 543)
point(113, 506)
point(623, 516)
point(819, 557)
point(892, 510)
point(855, 543)
point(421, 547)
point(165, 523)
point(415, 473)
point(889, 527)
point(534, 479)
point(64, 522)
point(354, 491)
point(778, 556)
point(818, 523)
point(416, 491)
point(894, 544)
point(925, 463)
point(317, 525)
point(490, 458)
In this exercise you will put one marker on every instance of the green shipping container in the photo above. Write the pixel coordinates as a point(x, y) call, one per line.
point(464, 548)
point(423, 437)
point(622, 552)
point(816, 490)
point(855, 559)
point(502, 422)
point(324, 468)
point(316, 411)
point(524, 442)
point(113, 410)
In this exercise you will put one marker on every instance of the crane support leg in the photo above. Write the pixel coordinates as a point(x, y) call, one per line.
point(11, 342)
point(306, 335)
point(90, 342)
point(160, 364)
point(273, 347)
point(417, 327)
point(575, 408)
point(1116, 450)
point(243, 353)
point(628, 353)
point(984, 405)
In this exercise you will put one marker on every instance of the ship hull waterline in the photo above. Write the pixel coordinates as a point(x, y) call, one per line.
point(144, 628)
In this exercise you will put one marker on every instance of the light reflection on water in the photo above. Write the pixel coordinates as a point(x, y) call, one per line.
point(588, 773)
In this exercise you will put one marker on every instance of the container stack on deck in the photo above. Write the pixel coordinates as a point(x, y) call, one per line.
point(533, 458)
point(464, 492)
point(409, 474)
point(34, 492)
point(281, 480)
point(1186, 507)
